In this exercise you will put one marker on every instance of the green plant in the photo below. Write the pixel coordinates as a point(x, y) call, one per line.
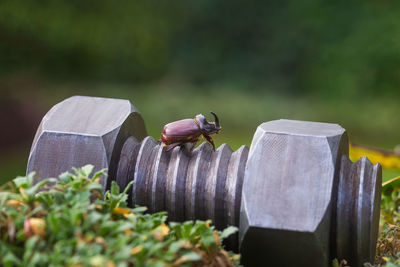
point(388, 247)
point(69, 221)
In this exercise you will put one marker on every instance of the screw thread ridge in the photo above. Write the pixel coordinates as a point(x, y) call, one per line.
point(358, 207)
point(190, 185)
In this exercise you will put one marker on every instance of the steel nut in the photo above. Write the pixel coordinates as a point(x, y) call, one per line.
point(84, 130)
point(287, 193)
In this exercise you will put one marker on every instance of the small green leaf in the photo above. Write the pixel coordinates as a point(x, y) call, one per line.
point(65, 177)
point(228, 231)
point(33, 189)
point(192, 256)
point(24, 181)
point(139, 209)
point(114, 188)
point(207, 239)
point(87, 170)
point(389, 186)
point(102, 172)
point(127, 187)
point(10, 260)
point(175, 246)
point(30, 248)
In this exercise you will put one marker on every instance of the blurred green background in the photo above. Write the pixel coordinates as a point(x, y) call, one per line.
point(249, 61)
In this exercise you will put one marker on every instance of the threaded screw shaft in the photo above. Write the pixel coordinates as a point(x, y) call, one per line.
point(358, 202)
point(199, 184)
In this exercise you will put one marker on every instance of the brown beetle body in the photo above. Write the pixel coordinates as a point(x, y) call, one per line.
point(178, 133)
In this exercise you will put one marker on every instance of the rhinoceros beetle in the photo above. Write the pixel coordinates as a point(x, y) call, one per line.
point(180, 132)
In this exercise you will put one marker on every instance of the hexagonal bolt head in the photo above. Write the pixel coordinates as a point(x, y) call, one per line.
point(287, 193)
point(82, 130)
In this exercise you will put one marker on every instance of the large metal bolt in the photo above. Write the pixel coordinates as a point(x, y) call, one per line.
point(295, 196)
point(304, 201)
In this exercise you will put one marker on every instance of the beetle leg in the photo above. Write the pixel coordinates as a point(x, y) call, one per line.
point(161, 142)
point(210, 140)
point(193, 144)
point(173, 146)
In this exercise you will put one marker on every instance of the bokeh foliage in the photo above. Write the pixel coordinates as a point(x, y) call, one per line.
point(330, 49)
point(249, 61)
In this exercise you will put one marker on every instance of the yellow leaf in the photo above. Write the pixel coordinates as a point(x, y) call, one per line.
point(14, 203)
point(393, 180)
point(136, 250)
point(34, 226)
point(181, 260)
point(129, 215)
point(216, 238)
point(164, 229)
point(387, 158)
point(186, 244)
point(160, 232)
point(21, 191)
point(119, 210)
point(128, 231)
point(100, 240)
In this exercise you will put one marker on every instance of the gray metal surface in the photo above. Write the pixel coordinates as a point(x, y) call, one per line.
point(358, 209)
point(189, 185)
point(287, 193)
point(303, 201)
point(82, 130)
point(126, 164)
point(175, 184)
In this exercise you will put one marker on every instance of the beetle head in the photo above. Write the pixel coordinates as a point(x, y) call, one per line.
point(207, 127)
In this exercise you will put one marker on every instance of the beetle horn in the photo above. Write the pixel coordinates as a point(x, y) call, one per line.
point(216, 120)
